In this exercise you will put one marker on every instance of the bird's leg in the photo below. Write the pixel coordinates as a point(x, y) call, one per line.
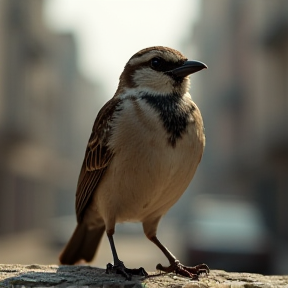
point(119, 266)
point(176, 266)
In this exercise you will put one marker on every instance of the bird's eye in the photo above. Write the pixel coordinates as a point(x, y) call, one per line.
point(156, 63)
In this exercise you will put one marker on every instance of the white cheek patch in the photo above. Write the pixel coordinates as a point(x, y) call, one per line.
point(153, 80)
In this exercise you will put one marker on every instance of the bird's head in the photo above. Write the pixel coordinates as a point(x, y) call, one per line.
point(159, 71)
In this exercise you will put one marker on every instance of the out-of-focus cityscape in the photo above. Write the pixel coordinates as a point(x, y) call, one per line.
point(233, 215)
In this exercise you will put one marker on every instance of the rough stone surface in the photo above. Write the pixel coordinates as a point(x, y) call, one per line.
point(86, 276)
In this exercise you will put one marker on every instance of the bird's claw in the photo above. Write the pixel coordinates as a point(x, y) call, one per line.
point(125, 272)
point(180, 269)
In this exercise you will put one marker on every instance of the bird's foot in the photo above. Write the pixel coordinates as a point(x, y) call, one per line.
point(125, 272)
point(191, 272)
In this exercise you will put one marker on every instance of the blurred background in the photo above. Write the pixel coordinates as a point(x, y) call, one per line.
point(59, 63)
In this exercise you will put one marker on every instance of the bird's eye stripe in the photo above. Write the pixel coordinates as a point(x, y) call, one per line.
point(160, 64)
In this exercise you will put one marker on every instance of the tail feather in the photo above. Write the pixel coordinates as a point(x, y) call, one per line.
point(82, 245)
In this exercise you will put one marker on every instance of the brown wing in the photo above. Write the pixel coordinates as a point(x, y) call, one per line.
point(97, 157)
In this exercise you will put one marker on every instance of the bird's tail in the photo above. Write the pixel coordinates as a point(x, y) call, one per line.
point(82, 245)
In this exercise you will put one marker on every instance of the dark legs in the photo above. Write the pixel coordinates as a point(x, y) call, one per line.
point(119, 266)
point(113, 249)
point(176, 266)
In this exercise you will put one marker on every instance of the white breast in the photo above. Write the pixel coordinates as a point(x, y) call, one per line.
point(147, 175)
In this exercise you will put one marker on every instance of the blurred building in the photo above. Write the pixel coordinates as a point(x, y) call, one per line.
point(244, 102)
point(47, 109)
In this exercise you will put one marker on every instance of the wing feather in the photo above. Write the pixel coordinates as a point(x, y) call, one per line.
point(98, 155)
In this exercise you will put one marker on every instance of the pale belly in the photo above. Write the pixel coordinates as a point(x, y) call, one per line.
point(144, 182)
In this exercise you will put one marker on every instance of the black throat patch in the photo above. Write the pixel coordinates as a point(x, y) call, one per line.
point(173, 112)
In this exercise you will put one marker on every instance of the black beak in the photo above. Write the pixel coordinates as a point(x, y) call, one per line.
point(189, 67)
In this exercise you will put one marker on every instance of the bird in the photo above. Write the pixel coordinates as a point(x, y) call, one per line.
point(144, 149)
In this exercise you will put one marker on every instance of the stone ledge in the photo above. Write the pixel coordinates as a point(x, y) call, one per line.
point(86, 276)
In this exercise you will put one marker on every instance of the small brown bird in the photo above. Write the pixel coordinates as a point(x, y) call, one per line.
point(145, 146)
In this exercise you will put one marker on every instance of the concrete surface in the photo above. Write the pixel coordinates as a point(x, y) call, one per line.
point(85, 276)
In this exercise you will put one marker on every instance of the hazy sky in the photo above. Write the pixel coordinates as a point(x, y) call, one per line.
point(109, 32)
